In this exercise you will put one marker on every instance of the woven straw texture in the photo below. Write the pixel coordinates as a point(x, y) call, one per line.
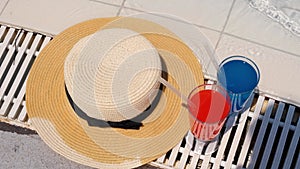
point(112, 74)
point(66, 133)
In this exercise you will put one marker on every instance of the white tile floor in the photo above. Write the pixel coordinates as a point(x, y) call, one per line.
point(232, 27)
point(205, 12)
point(54, 16)
point(249, 24)
point(110, 2)
point(2, 5)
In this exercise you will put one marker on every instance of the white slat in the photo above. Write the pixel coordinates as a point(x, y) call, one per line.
point(250, 131)
point(4, 65)
point(13, 113)
point(262, 130)
point(6, 60)
point(205, 162)
point(291, 152)
point(184, 156)
point(207, 158)
point(20, 75)
point(23, 114)
point(194, 161)
point(210, 82)
point(46, 41)
point(3, 46)
point(218, 160)
point(19, 49)
point(158, 165)
point(14, 66)
point(23, 48)
point(29, 121)
point(173, 155)
point(238, 133)
point(12, 105)
point(20, 98)
point(2, 29)
point(283, 136)
point(298, 162)
point(272, 135)
point(161, 159)
point(7, 38)
point(281, 124)
point(221, 150)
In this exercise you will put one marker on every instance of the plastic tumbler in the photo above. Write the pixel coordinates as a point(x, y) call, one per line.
point(239, 76)
point(209, 106)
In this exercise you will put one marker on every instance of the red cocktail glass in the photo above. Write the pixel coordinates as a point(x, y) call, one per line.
point(209, 106)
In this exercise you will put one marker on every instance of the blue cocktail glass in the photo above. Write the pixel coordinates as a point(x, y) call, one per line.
point(239, 76)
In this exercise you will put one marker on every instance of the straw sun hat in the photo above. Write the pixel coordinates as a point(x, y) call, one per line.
point(93, 93)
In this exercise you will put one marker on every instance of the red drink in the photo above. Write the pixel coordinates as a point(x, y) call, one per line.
point(208, 110)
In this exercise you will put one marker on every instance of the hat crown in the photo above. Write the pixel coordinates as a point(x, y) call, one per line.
point(113, 74)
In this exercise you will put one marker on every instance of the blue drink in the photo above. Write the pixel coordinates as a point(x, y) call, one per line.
point(239, 76)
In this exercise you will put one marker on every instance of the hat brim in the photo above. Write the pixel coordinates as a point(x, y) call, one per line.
point(59, 126)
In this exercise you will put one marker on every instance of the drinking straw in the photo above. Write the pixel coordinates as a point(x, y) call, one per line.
point(177, 92)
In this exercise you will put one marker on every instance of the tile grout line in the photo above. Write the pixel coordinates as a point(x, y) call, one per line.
point(105, 3)
point(5, 5)
point(222, 32)
point(200, 26)
point(257, 43)
point(121, 7)
point(225, 24)
point(208, 28)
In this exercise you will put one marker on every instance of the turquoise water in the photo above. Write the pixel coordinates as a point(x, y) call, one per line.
point(239, 78)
